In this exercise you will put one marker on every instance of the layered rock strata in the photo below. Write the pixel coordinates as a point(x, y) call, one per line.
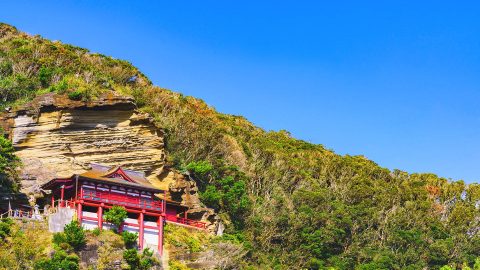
point(56, 137)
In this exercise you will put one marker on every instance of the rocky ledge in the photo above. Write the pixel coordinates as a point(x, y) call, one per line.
point(55, 136)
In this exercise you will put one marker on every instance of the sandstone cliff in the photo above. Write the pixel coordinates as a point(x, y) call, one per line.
point(56, 137)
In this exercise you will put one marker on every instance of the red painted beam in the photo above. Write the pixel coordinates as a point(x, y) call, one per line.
point(79, 213)
point(100, 216)
point(160, 235)
point(62, 192)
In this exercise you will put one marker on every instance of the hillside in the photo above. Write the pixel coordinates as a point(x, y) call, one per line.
point(292, 204)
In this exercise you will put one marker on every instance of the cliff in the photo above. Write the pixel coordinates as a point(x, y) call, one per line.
point(55, 136)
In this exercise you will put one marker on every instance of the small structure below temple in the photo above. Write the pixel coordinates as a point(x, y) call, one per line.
point(102, 187)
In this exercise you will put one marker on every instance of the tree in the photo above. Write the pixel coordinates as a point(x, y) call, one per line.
point(5, 227)
point(115, 215)
point(7, 155)
point(139, 262)
point(74, 234)
point(129, 238)
point(8, 162)
point(132, 258)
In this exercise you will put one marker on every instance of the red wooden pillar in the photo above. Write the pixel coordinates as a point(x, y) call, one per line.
point(79, 212)
point(140, 233)
point(62, 192)
point(100, 216)
point(53, 200)
point(164, 202)
point(160, 235)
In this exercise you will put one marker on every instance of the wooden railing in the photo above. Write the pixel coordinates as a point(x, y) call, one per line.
point(123, 200)
point(186, 221)
point(21, 214)
point(130, 201)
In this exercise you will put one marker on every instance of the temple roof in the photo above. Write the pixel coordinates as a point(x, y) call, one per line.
point(118, 175)
point(112, 174)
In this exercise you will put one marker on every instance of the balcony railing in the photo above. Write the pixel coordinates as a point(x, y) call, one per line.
point(123, 200)
point(186, 221)
point(136, 202)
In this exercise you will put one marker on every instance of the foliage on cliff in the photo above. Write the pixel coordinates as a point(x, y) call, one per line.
point(8, 162)
point(193, 248)
point(31, 65)
point(291, 204)
point(29, 245)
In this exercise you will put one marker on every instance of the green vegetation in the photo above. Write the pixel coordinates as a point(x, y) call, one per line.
point(226, 252)
point(137, 261)
point(72, 237)
point(29, 245)
point(222, 188)
point(8, 163)
point(289, 204)
point(59, 260)
point(129, 238)
point(176, 265)
point(74, 234)
point(31, 65)
point(65, 243)
point(5, 227)
point(23, 245)
point(181, 238)
point(115, 215)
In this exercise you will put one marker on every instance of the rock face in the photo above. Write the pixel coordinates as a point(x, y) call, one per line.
point(57, 137)
point(181, 188)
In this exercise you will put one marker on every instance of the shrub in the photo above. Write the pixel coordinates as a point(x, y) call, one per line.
point(74, 234)
point(45, 76)
point(61, 87)
point(59, 238)
point(476, 266)
point(6, 69)
point(5, 227)
point(8, 159)
point(96, 231)
point(59, 260)
point(200, 169)
point(75, 95)
point(115, 215)
point(193, 244)
point(211, 197)
point(132, 258)
point(129, 238)
point(176, 265)
point(147, 261)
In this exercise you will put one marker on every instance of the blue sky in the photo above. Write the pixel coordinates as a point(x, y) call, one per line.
point(396, 82)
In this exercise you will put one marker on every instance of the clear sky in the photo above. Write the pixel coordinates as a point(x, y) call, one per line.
point(397, 82)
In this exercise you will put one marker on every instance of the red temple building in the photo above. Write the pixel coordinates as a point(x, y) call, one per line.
point(102, 187)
